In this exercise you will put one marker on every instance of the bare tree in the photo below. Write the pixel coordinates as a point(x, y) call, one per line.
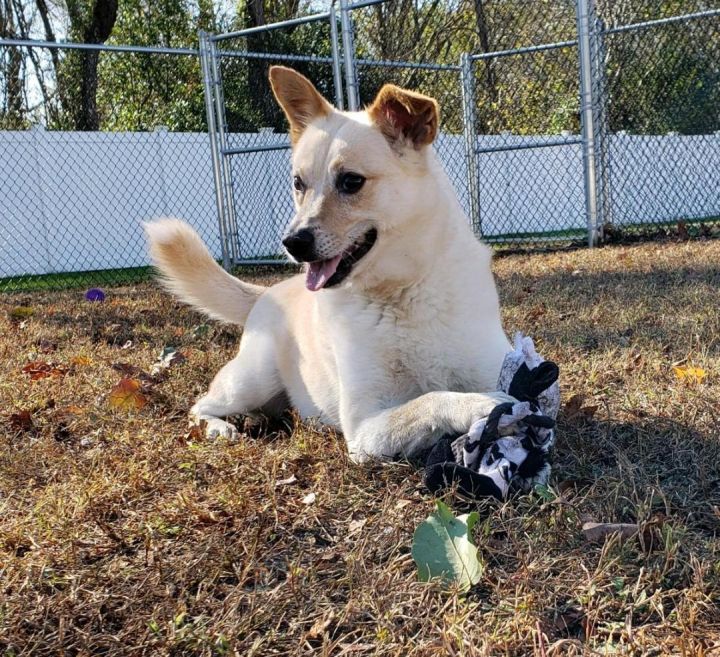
point(483, 33)
point(258, 13)
point(12, 66)
point(94, 25)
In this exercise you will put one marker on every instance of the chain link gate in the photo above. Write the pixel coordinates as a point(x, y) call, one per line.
point(657, 94)
point(477, 164)
point(240, 160)
point(558, 201)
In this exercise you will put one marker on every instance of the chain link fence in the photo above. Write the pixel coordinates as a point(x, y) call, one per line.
point(77, 183)
point(561, 123)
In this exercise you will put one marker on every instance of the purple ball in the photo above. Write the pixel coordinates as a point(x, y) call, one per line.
point(95, 294)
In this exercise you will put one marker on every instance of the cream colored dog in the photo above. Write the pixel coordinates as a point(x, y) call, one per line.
point(393, 333)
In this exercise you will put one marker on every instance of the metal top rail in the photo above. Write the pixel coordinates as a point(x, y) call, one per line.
point(302, 20)
point(364, 3)
point(292, 57)
point(527, 49)
point(292, 22)
point(288, 57)
point(663, 21)
point(69, 45)
point(401, 64)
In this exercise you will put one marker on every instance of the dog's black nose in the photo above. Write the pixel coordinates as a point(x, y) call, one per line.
point(301, 245)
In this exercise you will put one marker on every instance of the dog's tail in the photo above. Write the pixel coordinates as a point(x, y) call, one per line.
point(189, 271)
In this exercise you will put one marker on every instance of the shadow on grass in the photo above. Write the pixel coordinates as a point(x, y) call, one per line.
point(630, 470)
point(603, 310)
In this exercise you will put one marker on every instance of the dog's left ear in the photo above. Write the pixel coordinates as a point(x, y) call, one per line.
point(405, 115)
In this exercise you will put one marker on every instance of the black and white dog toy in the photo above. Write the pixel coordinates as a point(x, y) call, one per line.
point(510, 449)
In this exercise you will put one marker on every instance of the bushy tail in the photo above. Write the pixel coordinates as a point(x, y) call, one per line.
point(190, 272)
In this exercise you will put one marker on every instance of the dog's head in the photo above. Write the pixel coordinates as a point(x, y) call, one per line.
point(359, 178)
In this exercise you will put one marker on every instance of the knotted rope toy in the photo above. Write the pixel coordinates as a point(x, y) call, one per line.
point(509, 450)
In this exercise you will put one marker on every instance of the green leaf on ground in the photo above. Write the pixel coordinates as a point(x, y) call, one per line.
point(21, 312)
point(443, 547)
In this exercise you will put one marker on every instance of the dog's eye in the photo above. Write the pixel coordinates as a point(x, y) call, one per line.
point(298, 184)
point(349, 183)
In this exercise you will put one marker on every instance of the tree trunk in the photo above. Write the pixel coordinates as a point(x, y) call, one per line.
point(262, 99)
point(13, 71)
point(95, 29)
point(490, 82)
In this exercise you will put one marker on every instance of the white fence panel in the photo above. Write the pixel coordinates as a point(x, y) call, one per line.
point(74, 201)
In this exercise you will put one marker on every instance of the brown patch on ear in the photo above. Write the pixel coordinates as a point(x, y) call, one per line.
point(405, 114)
point(299, 99)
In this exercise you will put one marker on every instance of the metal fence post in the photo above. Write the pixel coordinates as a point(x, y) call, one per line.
point(208, 86)
point(221, 126)
point(467, 79)
point(587, 118)
point(336, 61)
point(602, 147)
point(348, 39)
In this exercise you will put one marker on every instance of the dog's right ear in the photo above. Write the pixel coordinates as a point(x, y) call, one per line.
point(300, 100)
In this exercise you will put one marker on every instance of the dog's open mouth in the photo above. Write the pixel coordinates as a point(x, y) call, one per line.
point(328, 273)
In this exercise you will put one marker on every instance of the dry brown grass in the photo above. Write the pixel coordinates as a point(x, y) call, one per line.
point(123, 535)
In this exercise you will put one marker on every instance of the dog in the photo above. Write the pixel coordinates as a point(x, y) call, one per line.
point(393, 334)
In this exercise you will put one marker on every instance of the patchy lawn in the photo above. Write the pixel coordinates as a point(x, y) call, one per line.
point(122, 533)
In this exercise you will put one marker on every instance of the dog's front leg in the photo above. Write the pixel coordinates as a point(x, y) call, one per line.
point(413, 426)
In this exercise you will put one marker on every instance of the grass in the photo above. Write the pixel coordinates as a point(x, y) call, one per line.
point(123, 533)
point(123, 276)
point(74, 279)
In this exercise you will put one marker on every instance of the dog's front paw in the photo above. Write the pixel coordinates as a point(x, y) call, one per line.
point(215, 428)
point(482, 404)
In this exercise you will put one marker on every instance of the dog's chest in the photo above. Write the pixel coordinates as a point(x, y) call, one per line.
point(412, 350)
point(430, 356)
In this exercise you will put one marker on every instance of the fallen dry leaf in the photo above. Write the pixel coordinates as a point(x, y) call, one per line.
point(573, 405)
point(133, 371)
point(634, 361)
point(285, 482)
point(320, 625)
point(571, 485)
point(569, 619)
point(356, 525)
point(195, 432)
point(22, 421)
point(81, 361)
point(599, 531)
point(575, 409)
point(40, 369)
point(682, 230)
point(536, 313)
point(46, 346)
point(127, 395)
point(689, 373)
point(169, 357)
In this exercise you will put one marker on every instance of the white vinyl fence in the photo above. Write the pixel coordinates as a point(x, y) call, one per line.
point(74, 201)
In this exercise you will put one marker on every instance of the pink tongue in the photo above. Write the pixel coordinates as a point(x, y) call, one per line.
point(320, 272)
